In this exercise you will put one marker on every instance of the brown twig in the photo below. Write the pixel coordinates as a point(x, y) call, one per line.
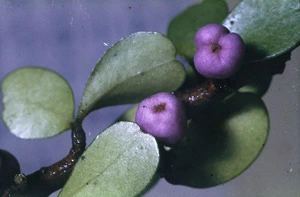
point(49, 179)
point(203, 96)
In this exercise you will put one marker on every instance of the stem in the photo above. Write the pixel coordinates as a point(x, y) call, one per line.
point(49, 179)
point(204, 95)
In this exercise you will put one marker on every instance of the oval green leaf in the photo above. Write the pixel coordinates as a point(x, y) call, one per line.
point(269, 28)
point(183, 27)
point(121, 161)
point(137, 66)
point(38, 103)
point(221, 145)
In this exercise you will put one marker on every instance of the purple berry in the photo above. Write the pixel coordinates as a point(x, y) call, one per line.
point(163, 116)
point(218, 52)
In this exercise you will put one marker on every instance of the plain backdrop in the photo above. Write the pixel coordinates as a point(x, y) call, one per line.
point(69, 37)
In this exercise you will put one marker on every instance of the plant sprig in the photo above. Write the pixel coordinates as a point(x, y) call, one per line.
point(39, 104)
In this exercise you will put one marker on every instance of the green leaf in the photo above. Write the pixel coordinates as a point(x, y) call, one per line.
point(121, 161)
point(183, 27)
point(38, 103)
point(222, 144)
point(269, 28)
point(135, 67)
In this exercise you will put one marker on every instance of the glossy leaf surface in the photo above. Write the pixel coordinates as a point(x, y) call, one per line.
point(221, 145)
point(135, 67)
point(183, 27)
point(269, 28)
point(38, 103)
point(121, 161)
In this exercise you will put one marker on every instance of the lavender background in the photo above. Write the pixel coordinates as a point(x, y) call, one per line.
point(70, 37)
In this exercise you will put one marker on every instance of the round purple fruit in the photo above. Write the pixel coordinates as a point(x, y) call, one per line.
point(218, 52)
point(163, 116)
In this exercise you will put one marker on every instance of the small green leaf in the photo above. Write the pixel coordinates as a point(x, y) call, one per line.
point(38, 103)
point(183, 27)
point(121, 161)
point(135, 67)
point(222, 144)
point(269, 28)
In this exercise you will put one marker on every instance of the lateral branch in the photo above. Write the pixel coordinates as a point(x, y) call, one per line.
point(49, 179)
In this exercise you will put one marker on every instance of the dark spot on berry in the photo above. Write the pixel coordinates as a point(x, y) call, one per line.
point(231, 22)
point(160, 107)
point(215, 47)
point(82, 158)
